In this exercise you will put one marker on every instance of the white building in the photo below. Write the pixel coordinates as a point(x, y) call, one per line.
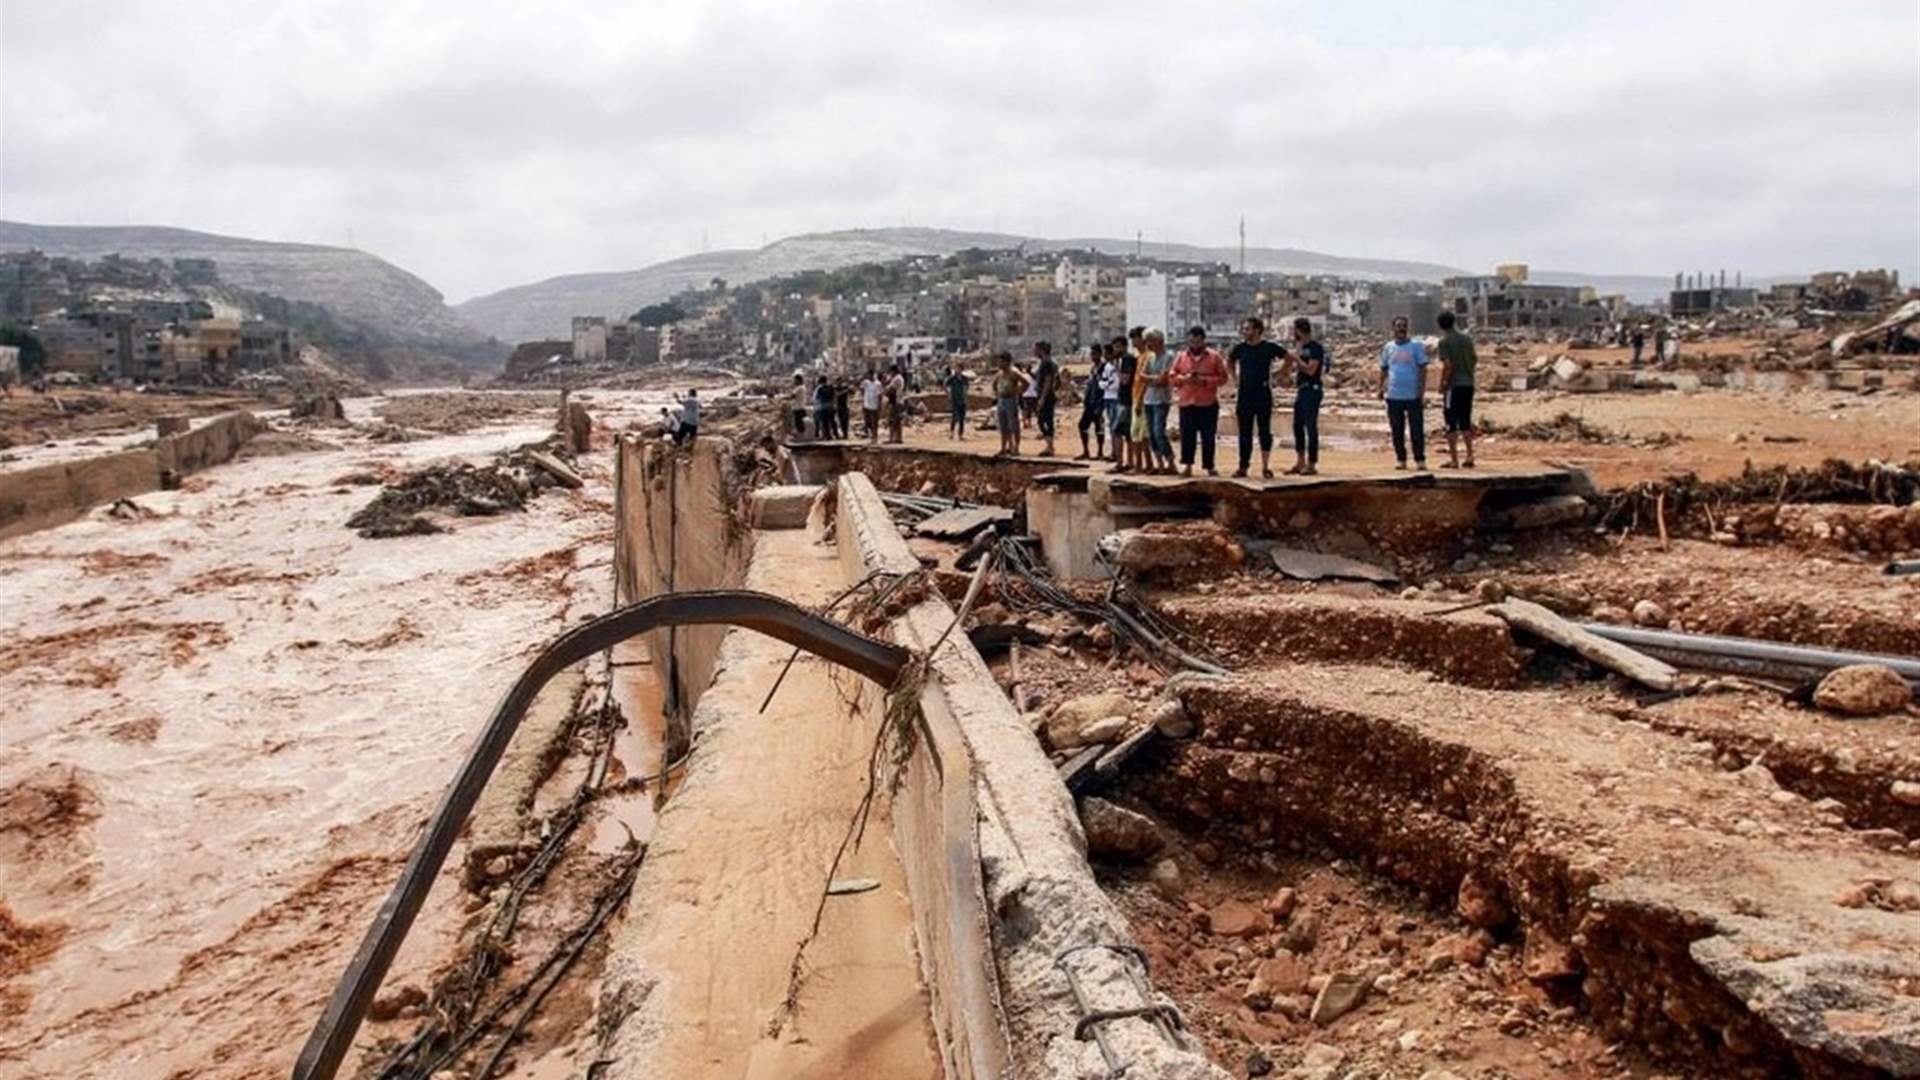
point(589, 339)
point(1150, 301)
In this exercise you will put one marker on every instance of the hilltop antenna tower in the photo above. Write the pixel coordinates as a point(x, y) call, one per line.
point(1243, 243)
point(1137, 234)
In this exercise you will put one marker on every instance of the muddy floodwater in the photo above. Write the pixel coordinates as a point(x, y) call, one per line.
point(223, 726)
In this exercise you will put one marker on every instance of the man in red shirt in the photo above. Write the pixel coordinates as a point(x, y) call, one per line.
point(1197, 375)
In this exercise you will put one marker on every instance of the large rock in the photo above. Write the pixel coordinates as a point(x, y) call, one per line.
point(1284, 975)
point(1863, 690)
point(1480, 902)
point(1171, 718)
point(1116, 830)
point(1201, 547)
point(1342, 994)
point(1070, 722)
point(1235, 918)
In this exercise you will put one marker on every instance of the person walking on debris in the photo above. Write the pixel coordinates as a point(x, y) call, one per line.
point(1253, 360)
point(842, 391)
point(1457, 364)
point(1046, 376)
point(896, 394)
point(870, 405)
point(1093, 404)
point(1308, 363)
point(1156, 368)
point(1117, 392)
point(1639, 341)
point(1009, 383)
point(1197, 377)
point(1403, 386)
point(688, 427)
point(956, 383)
point(1660, 343)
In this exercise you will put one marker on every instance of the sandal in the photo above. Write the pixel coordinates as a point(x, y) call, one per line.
point(1266, 474)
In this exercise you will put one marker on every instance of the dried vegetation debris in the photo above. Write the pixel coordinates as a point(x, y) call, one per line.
point(464, 490)
point(1569, 427)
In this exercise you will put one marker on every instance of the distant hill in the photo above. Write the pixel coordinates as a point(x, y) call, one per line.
point(393, 305)
point(545, 308)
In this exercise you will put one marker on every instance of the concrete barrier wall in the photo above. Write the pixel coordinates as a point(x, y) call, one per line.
point(936, 827)
point(676, 529)
point(1027, 860)
point(48, 495)
point(212, 443)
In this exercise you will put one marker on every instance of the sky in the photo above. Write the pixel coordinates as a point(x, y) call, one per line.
point(488, 143)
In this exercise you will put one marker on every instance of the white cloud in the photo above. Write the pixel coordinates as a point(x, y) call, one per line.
point(486, 144)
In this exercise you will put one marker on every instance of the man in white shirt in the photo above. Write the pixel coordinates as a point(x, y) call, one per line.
point(870, 405)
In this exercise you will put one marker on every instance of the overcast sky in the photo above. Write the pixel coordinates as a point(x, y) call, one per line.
point(488, 143)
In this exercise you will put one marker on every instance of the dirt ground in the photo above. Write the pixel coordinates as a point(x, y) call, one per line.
point(231, 716)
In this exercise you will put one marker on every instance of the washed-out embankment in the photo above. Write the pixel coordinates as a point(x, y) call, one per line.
point(43, 496)
point(1004, 909)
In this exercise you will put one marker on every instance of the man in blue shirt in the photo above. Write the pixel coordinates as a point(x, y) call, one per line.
point(1403, 386)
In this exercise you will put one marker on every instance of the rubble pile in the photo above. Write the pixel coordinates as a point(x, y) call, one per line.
point(1570, 428)
point(1719, 508)
point(464, 490)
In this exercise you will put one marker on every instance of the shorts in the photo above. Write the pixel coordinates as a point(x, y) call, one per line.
point(1456, 408)
point(1120, 419)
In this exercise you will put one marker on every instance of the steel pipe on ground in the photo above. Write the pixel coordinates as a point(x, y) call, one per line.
point(1747, 655)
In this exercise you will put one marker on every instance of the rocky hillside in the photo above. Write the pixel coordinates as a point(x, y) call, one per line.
point(544, 309)
point(391, 304)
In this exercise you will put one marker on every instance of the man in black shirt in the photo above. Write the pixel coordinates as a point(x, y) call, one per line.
point(1308, 362)
point(1252, 361)
point(1126, 353)
point(1047, 374)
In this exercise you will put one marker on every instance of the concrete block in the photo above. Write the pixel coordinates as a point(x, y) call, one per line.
point(783, 507)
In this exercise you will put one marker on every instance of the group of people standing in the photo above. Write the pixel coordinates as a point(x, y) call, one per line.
point(829, 402)
point(1135, 383)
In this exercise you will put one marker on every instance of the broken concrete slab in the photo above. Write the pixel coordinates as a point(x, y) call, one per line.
point(782, 506)
point(555, 468)
point(1544, 624)
point(963, 522)
point(1318, 566)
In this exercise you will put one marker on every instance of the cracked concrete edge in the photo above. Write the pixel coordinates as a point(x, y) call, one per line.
point(497, 826)
point(1041, 894)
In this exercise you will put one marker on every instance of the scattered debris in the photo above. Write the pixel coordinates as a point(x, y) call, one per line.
point(463, 490)
point(320, 408)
